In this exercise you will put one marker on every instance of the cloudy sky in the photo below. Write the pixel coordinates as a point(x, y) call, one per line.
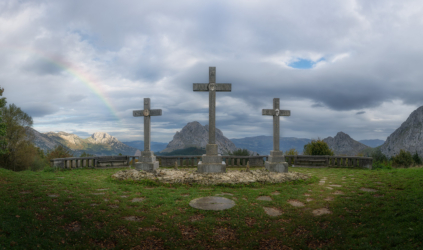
point(83, 66)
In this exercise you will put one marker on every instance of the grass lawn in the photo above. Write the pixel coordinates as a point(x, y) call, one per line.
point(86, 209)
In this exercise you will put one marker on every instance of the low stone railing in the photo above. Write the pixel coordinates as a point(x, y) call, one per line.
point(92, 161)
point(231, 161)
point(329, 161)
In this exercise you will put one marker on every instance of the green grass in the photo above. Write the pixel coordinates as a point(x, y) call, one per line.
point(392, 220)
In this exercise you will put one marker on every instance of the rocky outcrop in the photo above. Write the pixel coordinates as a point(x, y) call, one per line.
point(407, 137)
point(343, 144)
point(185, 176)
point(196, 135)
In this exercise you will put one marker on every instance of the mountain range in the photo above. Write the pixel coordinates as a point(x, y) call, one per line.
point(98, 143)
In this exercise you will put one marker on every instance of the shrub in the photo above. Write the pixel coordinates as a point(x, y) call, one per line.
point(403, 159)
point(417, 160)
point(381, 165)
point(291, 151)
point(317, 147)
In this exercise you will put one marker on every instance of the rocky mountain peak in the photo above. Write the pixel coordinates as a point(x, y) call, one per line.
point(407, 137)
point(102, 138)
point(196, 135)
point(343, 144)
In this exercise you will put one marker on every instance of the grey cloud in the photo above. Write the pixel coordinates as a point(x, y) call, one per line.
point(39, 109)
point(360, 113)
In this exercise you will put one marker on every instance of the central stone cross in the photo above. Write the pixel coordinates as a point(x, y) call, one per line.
point(276, 162)
point(212, 87)
point(212, 161)
point(148, 160)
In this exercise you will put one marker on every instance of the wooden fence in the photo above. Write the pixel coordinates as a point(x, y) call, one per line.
point(230, 160)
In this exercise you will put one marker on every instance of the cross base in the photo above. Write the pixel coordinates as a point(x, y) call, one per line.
point(278, 167)
point(147, 162)
point(211, 162)
point(276, 162)
point(211, 167)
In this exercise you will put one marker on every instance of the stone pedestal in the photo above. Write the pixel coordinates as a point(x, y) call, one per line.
point(147, 162)
point(211, 161)
point(276, 162)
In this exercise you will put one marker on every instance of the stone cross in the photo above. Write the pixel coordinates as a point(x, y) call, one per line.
point(147, 112)
point(212, 87)
point(276, 112)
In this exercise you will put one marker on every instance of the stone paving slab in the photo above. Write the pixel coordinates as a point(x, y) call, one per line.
point(368, 189)
point(212, 203)
point(272, 211)
point(321, 211)
point(296, 203)
point(137, 199)
point(264, 198)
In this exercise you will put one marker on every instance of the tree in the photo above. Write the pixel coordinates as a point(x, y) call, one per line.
point(20, 151)
point(59, 152)
point(240, 152)
point(3, 148)
point(317, 147)
point(85, 154)
point(417, 159)
point(291, 151)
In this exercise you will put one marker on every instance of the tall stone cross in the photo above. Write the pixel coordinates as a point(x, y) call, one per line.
point(147, 112)
point(212, 87)
point(276, 112)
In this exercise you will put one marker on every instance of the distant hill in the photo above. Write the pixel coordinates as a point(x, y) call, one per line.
point(196, 135)
point(343, 144)
point(263, 144)
point(155, 146)
point(409, 136)
point(98, 143)
point(372, 143)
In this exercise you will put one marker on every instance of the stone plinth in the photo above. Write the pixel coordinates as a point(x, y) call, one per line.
point(147, 162)
point(211, 161)
point(276, 162)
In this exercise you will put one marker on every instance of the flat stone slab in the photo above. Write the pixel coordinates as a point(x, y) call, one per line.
point(309, 199)
point(338, 192)
point(225, 194)
point(102, 189)
point(296, 203)
point(329, 198)
point(275, 193)
point(264, 198)
point(133, 218)
point(321, 211)
point(137, 199)
point(329, 188)
point(53, 195)
point(212, 203)
point(368, 189)
point(98, 193)
point(335, 185)
point(272, 211)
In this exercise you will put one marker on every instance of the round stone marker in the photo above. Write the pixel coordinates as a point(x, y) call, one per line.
point(212, 203)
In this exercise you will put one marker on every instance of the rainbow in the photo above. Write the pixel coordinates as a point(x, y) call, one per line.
point(79, 74)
